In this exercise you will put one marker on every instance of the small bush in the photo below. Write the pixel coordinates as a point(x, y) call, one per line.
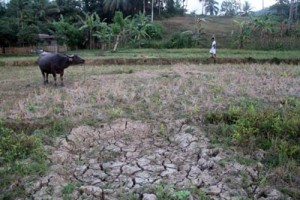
point(20, 155)
point(181, 40)
point(154, 31)
point(274, 129)
point(14, 146)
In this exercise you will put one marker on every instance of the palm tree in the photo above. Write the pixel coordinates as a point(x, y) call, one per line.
point(211, 7)
point(247, 8)
point(44, 9)
point(112, 5)
point(119, 27)
point(203, 3)
point(91, 23)
point(243, 32)
point(138, 27)
point(291, 17)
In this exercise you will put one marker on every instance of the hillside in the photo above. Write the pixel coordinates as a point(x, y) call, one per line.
point(221, 27)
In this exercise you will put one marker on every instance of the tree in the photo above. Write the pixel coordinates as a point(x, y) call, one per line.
point(242, 35)
point(105, 34)
point(28, 35)
point(69, 9)
point(45, 10)
point(138, 26)
point(67, 33)
point(230, 7)
point(291, 15)
point(113, 5)
point(91, 23)
point(211, 7)
point(203, 3)
point(281, 7)
point(247, 8)
point(8, 32)
point(263, 25)
point(119, 28)
point(21, 9)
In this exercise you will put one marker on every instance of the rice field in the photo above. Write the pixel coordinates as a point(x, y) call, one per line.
point(153, 94)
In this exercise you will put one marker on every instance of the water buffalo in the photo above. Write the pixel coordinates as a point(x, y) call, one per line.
point(53, 63)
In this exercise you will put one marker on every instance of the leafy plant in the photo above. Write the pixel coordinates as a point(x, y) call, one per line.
point(275, 130)
point(20, 155)
point(181, 195)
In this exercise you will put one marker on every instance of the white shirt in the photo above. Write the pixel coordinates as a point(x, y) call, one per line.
point(213, 50)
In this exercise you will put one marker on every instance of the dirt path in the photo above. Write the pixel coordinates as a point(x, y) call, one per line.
point(133, 157)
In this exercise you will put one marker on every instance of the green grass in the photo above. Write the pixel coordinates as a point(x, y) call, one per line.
point(273, 129)
point(168, 192)
point(188, 53)
point(20, 155)
point(169, 54)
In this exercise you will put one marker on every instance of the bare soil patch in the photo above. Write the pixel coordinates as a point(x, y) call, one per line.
point(127, 157)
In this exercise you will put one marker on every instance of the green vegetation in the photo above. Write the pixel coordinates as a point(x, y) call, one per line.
point(20, 155)
point(273, 129)
point(167, 192)
point(92, 25)
point(141, 54)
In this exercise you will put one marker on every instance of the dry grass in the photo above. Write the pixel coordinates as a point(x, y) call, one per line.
point(146, 92)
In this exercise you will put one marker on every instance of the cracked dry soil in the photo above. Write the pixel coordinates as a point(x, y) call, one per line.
point(133, 157)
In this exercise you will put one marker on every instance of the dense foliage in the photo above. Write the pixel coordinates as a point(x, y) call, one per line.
point(92, 24)
point(22, 20)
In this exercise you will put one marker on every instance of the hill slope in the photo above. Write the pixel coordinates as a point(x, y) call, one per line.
point(221, 27)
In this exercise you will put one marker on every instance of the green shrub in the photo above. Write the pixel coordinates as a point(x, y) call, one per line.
point(181, 40)
point(274, 129)
point(20, 155)
point(154, 31)
point(155, 44)
point(14, 146)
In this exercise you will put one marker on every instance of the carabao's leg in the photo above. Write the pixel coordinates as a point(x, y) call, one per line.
point(44, 77)
point(54, 77)
point(62, 78)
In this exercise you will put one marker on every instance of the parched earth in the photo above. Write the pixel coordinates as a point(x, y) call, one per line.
point(133, 157)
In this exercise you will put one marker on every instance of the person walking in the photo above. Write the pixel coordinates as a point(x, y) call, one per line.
point(213, 50)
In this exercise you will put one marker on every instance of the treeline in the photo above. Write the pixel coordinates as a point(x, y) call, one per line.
point(74, 20)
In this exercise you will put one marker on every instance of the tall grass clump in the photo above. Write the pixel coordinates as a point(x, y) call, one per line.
point(274, 129)
point(20, 155)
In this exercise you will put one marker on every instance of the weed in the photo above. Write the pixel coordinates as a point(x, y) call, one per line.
point(119, 71)
point(20, 155)
point(199, 194)
point(163, 192)
point(181, 195)
point(31, 107)
point(162, 130)
point(276, 130)
point(196, 110)
point(245, 161)
point(68, 189)
point(115, 112)
point(129, 196)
